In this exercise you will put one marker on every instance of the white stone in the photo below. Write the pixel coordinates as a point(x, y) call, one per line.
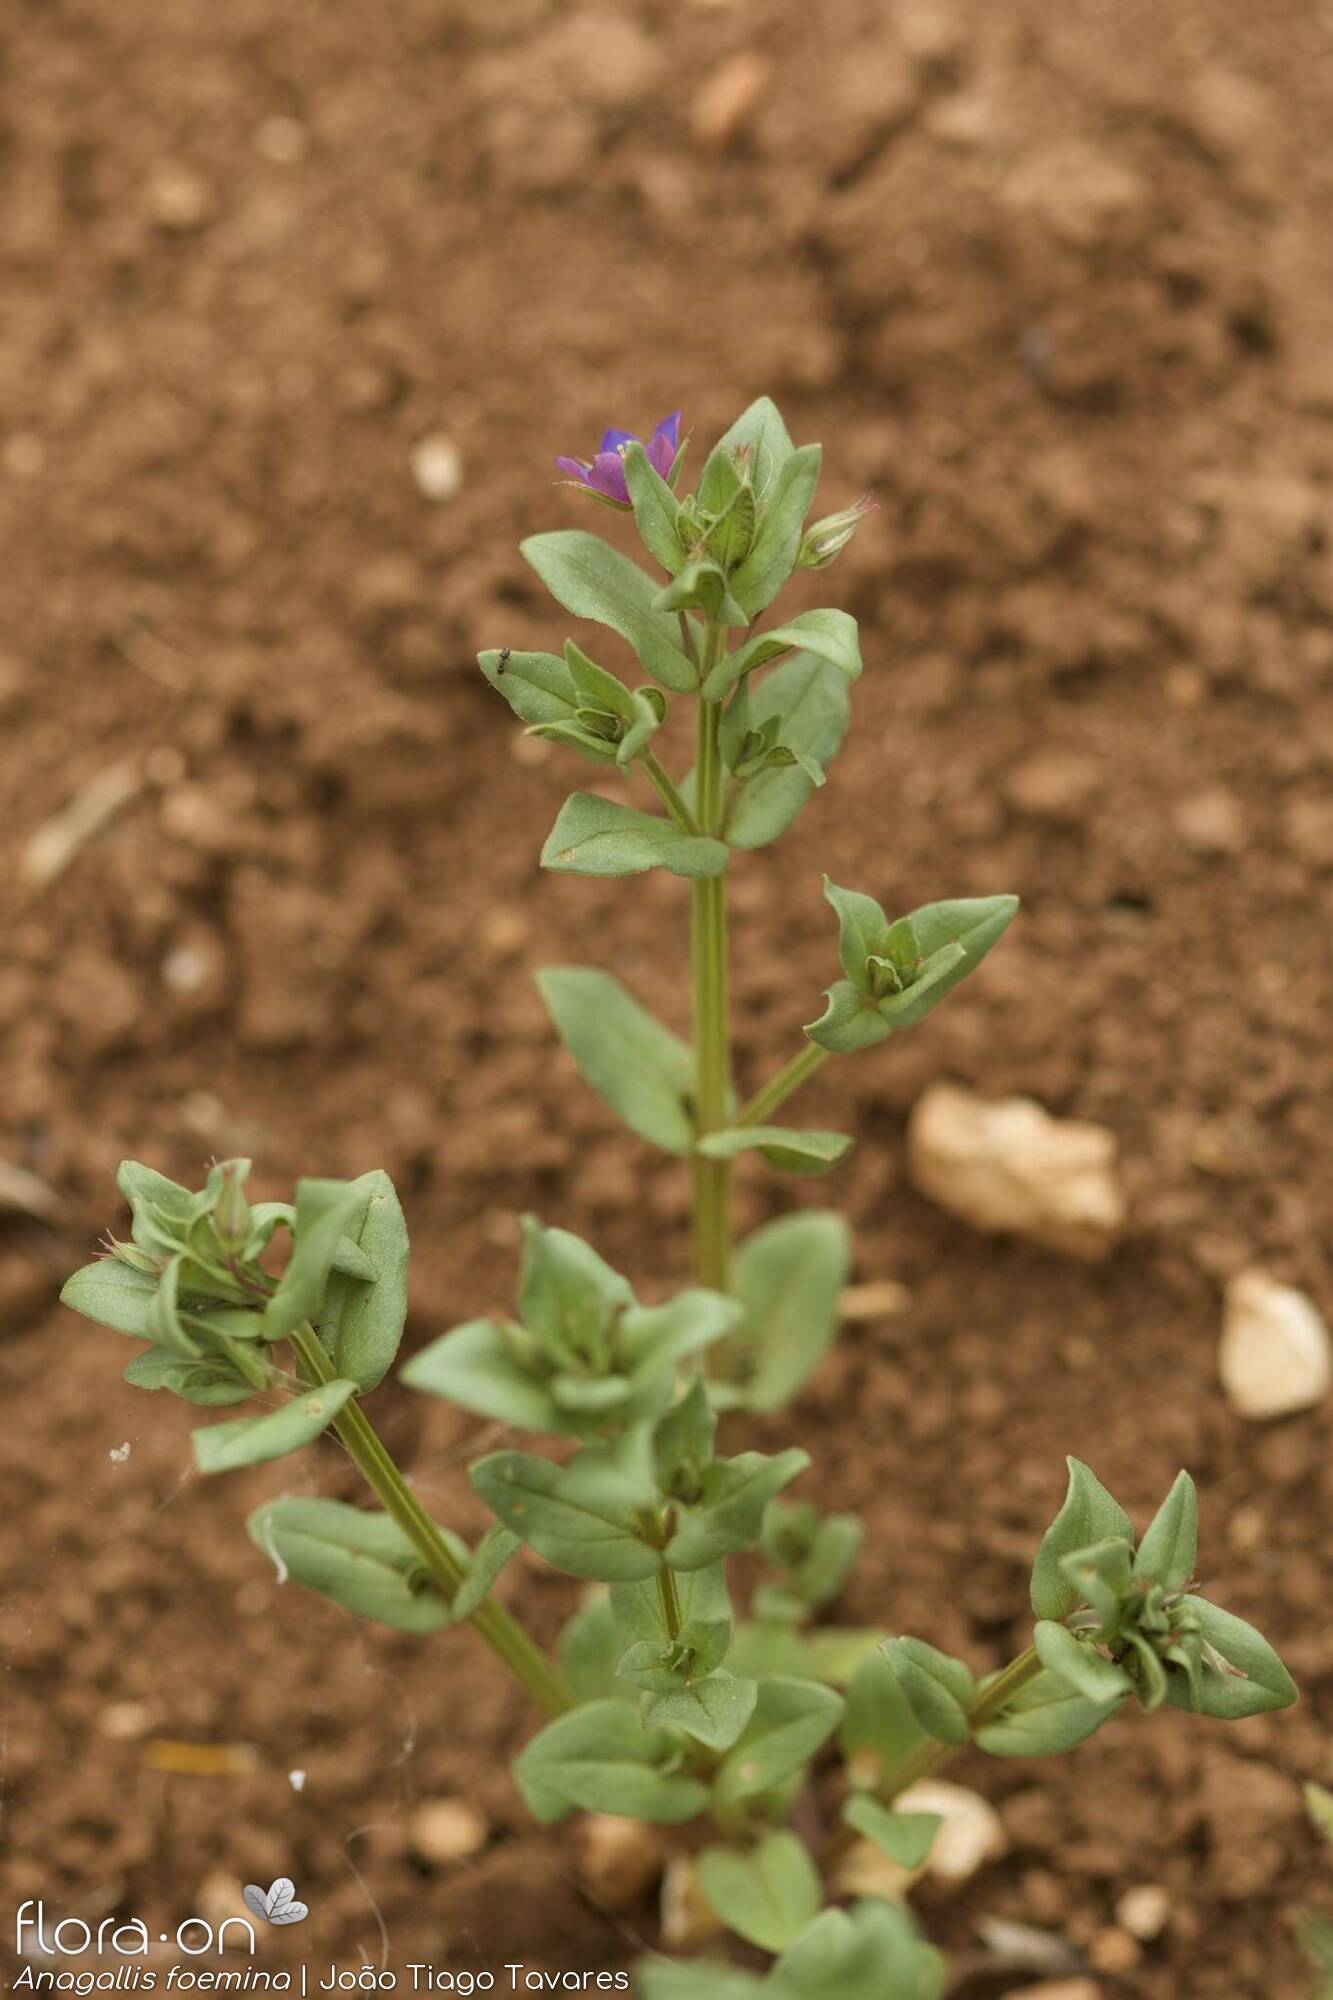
point(445, 1830)
point(619, 1859)
point(1275, 1354)
point(1009, 1167)
point(437, 467)
point(1143, 1911)
point(971, 1833)
point(688, 1918)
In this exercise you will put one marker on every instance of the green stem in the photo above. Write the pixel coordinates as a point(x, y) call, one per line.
point(780, 1087)
point(662, 784)
point(362, 1443)
point(708, 951)
point(993, 1699)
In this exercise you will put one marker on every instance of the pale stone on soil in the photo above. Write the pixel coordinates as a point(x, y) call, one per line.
point(437, 467)
point(1143, 1911)
point(971, 1834)
point(688, 1918)
point(728, 98)
point(1009, 1167)
point(1275, 1355)
point(1057, 1989)
point(619, 1859)
point(445, 1830)
point(881, 1298)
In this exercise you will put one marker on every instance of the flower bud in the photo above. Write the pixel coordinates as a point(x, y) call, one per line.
point(231, 1212)
point(823, 540)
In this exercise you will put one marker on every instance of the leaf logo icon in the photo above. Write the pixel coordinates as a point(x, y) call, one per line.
point(277, 1904)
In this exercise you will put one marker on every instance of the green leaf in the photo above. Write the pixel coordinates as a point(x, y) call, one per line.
point(568, 1295)
point(758, 443)
point(1101, 1576)
point(209, 1383)
point(683, 1442)
point(974, 922)
point(878, 1715)
point(863, 930)
point(905, 1837)
point(326, 1212)
point(656, 507)
point(1044, 1719)
point(362, 1561)
point(876, 1953)
point(1171, 1541)
point(585, 1541)
point(475, 1367)
point(650, 707)
point(701, 586)
point(731, 535)
point(161, 1210)
point(538, 686)
point(597, 836)
point(829, 635)
point(699, 1979)
point(1088, 1515)
point(792, 1152)
point(848, 1023)
point(1258, 1682)
point(767, 1896)
point(112, 1294)
point(163, 1320)
point(777, 539)
point(601, 1759)
point(593, 580)
point(807, 700)
point(256, 1440)
point(657, 1338)
point(589, 1648)
point(637, 1607)
point(1077, 1661)
point(788, 1276)
point(361, 1323)
point(662, 1665)
point(729, 1513)
point(792, 1719)
point(636, 1065)
point(489, 1557)
point(939, 1689)
point(714, 1710)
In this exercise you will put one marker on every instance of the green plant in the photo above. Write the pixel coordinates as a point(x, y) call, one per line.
point(663, 1703)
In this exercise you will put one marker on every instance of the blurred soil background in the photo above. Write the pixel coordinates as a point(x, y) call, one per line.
point(298, 305)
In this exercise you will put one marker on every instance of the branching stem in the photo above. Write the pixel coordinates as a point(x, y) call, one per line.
point(361, 1441)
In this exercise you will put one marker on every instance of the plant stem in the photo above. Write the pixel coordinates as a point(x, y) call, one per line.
point(930, 1755)
point(780, 1087)
point(662, 784)
point(362, 1443)
point(708, 952)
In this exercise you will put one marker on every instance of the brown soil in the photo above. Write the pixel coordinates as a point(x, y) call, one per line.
point(1056, 284)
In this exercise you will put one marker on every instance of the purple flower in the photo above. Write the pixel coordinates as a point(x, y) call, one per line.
point(605, 474)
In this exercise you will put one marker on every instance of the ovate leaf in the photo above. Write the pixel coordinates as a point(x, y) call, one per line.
point(1088, 1515)
point(112, 1294)
point(600, 1758)
point(593, 580)
point(787, 1276)
point(792, 1719)
point(790, 1151)
point(360, 1560)
point(1257, 1682)
point(639, 1067)
point(905, 1837)
point(597, 836)
point(767, 1895)
point(603, 1544)
point(255, 1440)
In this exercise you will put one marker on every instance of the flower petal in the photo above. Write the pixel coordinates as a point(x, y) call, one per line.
point(608, 477)
point(664, 444)
point(575, 468)
point(612, 441)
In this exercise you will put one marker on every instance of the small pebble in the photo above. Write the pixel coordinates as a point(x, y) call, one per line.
point(125, 1721)
point(618, 1859)
point(726, 101)
point(178, 197)
point(437, 467)
point(688, 1918)
point(1275, 1354)
point(1143, 1911)
point(296, 1779)
point(881, 1298)
point(445, 1830)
